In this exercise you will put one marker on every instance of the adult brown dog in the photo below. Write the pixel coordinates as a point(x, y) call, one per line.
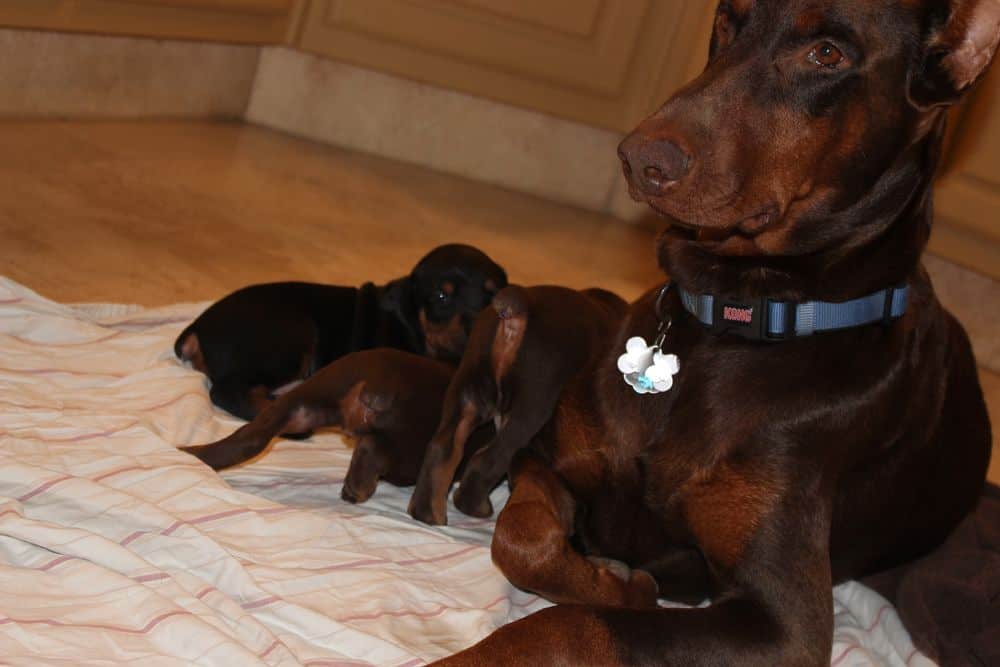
point(798, 168)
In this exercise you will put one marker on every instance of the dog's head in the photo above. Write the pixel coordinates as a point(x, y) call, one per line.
point(814, 128)
point(442, 296)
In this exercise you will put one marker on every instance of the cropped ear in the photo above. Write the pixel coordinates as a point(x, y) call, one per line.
point(957, 54)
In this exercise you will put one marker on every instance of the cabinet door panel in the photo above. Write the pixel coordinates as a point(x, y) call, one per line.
point(597, 61)
point(246, 21)
point(968, 193)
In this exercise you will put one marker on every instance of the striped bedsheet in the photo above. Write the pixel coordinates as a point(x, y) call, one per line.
point(116, 548)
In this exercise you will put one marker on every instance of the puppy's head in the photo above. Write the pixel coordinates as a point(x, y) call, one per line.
point(814, 125)
point(443, 295)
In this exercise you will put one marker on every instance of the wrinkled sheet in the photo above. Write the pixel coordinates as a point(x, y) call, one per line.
point(117, 548)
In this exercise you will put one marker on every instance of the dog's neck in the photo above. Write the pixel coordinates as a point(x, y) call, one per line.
point(883, 237)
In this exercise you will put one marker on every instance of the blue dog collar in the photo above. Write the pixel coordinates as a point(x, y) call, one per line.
point(765, 319)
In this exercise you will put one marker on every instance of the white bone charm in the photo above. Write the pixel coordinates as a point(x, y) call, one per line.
point(646, 369)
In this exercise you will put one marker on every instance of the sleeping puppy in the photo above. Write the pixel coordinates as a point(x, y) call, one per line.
point(264, 337)
point(387, 400)
point(520, 355)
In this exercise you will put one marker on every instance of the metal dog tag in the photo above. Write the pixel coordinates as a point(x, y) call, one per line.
point(646, 368)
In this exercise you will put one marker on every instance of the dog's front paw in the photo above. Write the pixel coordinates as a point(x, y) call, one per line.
point(424, 510)
point(633, 588)
point(643, 590)
point(467, 503)
point(354, 495)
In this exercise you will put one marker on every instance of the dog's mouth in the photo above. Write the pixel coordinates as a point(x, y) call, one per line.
point(729, 238)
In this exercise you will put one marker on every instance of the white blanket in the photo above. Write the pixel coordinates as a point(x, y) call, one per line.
point(115, 547)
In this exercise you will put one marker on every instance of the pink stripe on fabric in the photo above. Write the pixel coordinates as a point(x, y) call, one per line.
point(382, 561)
point(205, 591)
point(55, 561)
point(175, 399)
point(412, 663)
point(419, 614)
point(7, 302)
point(874, 624)
point(152, 322)
point(169, 530)
point(28, 341)
point(878, 617)
point(270, 648)
point(843, 655)
point(260, 603)
point(132, 537)
point(156, 576)
point(89, 436)
point(49, 371)
point(44, 487)
point(296, 482)
point(97, 626)
point(337, 663)
point(435, 559)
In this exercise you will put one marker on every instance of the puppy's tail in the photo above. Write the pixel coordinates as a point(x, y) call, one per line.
point(187, 347)
point(511, 302)
point(284, 414)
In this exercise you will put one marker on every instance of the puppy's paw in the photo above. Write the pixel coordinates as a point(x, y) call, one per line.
point(467, 503)
point(356, 495)
point(643, 590)
point(425, 512)
point(638, 588)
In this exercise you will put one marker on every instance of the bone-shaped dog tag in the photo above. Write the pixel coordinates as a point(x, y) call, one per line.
point(646, 369)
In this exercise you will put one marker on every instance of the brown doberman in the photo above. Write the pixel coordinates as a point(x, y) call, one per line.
point(827, 420)
point(389, 401)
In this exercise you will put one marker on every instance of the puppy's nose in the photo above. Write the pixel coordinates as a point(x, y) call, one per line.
point(653, 164)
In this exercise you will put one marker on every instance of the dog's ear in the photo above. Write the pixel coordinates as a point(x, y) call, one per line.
point(494, 286)
point(397, 297)
point(957, 54)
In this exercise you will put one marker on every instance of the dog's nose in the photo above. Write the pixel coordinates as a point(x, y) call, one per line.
point(653, 164)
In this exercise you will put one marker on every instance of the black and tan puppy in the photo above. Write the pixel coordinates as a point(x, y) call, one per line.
point(520, 355)
point(263, 337)
point(387, 400)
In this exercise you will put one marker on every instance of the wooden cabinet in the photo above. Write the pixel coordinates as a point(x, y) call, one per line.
point(967, 229)
point(246, 21)
point(602, 62)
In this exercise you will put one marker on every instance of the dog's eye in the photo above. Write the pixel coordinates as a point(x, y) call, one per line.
point(441, 296)
point(825, 54)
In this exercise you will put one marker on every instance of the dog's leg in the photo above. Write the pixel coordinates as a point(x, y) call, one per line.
point(773, 556)
point(368, 464)
point(489, 465)
point(288, 413)
point(444, 454)
point(532, 546)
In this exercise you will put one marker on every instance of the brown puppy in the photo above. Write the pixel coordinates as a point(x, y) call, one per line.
point(388, 400)
point(521, 353)
point(799, 168)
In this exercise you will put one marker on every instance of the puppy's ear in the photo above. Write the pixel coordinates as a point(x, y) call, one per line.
point(493, 286)
point(957, 54)
point(397, 297)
